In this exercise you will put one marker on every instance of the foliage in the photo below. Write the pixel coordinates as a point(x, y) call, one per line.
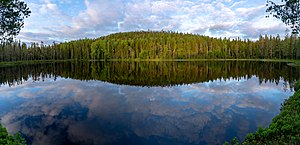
point(172, 45)
point(12, 15)
point(234, 141)
point(155, 45)
point(288, 13)
point(7, 139)
point(285, 127)
point(297, 86)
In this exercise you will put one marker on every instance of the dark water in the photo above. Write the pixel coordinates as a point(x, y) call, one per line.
point(142, 102)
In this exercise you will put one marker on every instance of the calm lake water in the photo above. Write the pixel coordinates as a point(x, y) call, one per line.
point(136, 103)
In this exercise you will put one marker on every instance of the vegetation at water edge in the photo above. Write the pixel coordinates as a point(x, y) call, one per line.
point(285, 127)
point(8, 139)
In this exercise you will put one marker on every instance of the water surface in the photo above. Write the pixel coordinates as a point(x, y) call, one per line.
point(142, 102)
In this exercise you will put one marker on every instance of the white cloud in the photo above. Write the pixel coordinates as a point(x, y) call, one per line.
point(104, 13)
point(94, 18)
point(48, 7)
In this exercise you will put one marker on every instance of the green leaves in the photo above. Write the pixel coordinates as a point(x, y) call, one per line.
point(12, 15)
point(234, 141)
point(288, 13)
point(7, 139)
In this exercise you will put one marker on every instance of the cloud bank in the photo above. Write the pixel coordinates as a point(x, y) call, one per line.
point(54, 20)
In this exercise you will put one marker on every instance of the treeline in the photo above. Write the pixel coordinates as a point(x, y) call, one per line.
point(156, 45)
point(171, 45)
point(18, 51)
point(151, 73)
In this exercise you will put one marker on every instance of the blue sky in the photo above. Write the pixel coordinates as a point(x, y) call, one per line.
point(65, 20)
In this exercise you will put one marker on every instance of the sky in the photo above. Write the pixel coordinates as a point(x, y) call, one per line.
point(66, 20)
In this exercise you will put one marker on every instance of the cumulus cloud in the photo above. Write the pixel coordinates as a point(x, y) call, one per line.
point(103, 14)
point(61, 21)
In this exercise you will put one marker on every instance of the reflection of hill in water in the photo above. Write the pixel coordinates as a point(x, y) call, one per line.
point(151, 73)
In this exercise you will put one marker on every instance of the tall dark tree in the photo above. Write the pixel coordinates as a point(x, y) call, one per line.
point(12, 15)
point(288, 12)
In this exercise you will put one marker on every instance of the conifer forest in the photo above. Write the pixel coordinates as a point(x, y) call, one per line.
point(155, 45)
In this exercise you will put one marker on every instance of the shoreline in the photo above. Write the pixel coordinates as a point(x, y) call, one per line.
point(293, 63)
point(284, 128)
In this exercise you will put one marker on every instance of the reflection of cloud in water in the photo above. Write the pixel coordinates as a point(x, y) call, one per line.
point(103, 113)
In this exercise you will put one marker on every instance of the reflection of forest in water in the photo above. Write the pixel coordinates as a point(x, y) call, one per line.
point(69, 111)
point(151, 73)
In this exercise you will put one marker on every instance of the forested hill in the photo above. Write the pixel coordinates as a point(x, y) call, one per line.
point(156, 45)
point(171, 45)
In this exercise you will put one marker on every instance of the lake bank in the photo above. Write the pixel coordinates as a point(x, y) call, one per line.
point(294, 63)
point(12, 63)
point(284, 128)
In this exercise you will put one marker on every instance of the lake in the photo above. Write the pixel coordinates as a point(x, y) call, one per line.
point(161, 103)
